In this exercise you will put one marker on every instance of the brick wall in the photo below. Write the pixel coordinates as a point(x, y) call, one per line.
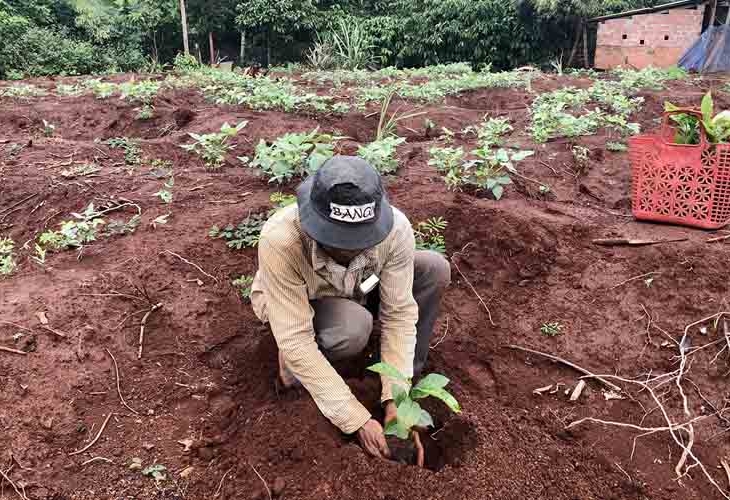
point(658, 39)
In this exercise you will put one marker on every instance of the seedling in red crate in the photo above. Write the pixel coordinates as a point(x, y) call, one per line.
point(410, 415)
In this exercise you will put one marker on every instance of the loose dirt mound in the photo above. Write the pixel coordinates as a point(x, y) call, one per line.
point(208, 366)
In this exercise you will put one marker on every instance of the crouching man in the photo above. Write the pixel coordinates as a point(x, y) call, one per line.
point(328, 266)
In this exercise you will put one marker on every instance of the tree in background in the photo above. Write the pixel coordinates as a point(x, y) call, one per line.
point(208, 17)
point(282, 18)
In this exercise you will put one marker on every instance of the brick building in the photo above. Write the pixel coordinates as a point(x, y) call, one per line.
point(656, 36)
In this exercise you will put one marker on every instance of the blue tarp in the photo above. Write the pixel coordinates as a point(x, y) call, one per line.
point(710, 53)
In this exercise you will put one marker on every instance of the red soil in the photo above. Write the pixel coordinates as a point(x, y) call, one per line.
point(208, 367)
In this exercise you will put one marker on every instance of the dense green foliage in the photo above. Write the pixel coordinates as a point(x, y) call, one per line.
point(44, 37)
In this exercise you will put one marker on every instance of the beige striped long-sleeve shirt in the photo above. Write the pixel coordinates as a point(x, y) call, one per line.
point(293, 271)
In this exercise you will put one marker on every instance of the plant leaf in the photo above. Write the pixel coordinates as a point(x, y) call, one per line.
point(409, 414)
point(391, 428)
point(707, 107)
point(521, 155)
point(441, 394)
point(497, 191)
point(388, 370)
point(432, 381)
point(425, 420)
point(399, 394)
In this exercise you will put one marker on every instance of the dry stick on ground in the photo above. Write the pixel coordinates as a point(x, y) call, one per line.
point(220, 485)
point(192, 264)
point(96, 459)
point(98, 435)
point(141, 328)
point(119, 390)
point(686, 450)
point(481, 301)
point(13, 351)
point(580, 369)
point(6, 478)
point(446, 331)
point(635, 278)
point(719, 238)
point(268, 491)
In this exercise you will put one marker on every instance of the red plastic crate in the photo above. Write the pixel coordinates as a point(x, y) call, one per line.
point(677, 183)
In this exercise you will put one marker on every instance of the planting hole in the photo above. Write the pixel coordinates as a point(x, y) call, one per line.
point(624, 36)
point(641, 42)
point(447, 445)
point(666, 37)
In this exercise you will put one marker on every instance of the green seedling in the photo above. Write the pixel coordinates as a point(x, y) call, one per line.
point(429, 234)
point(160, 220)
point(156, 471)
point(490, 131)
point(281, 200)
point(212, 148)
point(165, 194)
point(7, 258)
point(132, 151)
point(245, 234)
point(552, 329)
point(22, 90)
point(616, 147)
point(381, 154)
point(410, 414)
point(293, 155)
point(48, 128)
point(717, 126)
point(243, 285)
point(74, 233)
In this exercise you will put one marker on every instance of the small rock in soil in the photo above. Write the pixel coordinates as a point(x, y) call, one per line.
point(148, 446)
point(278, 487)
point(186, 472)
point(47, 423)
point(136, 464)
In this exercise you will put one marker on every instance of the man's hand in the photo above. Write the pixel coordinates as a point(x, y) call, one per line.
point(372, 439)
point(391, 412)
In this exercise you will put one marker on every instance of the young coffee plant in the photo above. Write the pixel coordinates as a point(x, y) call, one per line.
point(388, 125)
point(552, 329)
point(410, 414)
point(165, 194)
point(245, 234)
point(243, 285)
point(446, 159)
point(490, 131)
point(212, 148)
point(430, 234)
point(293, 155)
point(22, 90)
point(143, 93)
point(490, 170)
point(132, 151)
point(73, 233)
point(7, 258)
point(616, 147)
point(381, 154)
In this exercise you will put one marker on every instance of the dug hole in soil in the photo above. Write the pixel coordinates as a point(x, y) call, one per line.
point(202, 401)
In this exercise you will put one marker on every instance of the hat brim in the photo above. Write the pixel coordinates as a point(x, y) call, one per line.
point(342, 235)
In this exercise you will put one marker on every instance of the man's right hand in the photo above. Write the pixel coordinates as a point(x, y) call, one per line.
point(372, 439)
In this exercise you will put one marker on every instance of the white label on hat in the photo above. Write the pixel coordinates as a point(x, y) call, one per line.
point(352, 213)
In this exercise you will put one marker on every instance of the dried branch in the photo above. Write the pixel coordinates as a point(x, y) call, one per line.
point(142, 326)
point(481, 301)
point(98, 435)
point(580, 369)
point(119, 390)
point(192, 264)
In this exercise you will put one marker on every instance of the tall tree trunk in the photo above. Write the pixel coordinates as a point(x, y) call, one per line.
point(268, 47)
point(585, 46)
point(184, 20)
point(242, 55)
point(212, 48)
point(155, 51)
point(575, 43)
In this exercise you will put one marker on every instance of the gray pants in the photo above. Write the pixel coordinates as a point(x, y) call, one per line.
point(343, 327)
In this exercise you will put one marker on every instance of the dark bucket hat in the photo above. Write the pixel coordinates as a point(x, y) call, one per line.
point(343, 205)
